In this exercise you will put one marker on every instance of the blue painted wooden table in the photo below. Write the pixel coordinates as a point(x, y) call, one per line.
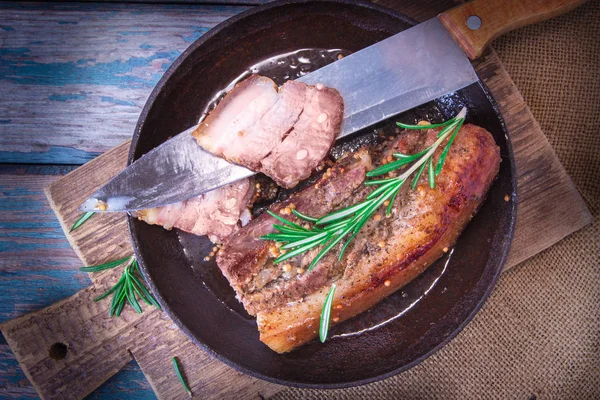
point(73, 80)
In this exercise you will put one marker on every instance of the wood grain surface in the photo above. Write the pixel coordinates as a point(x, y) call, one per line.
point(40, 268)
point(100, 345)
point(74, 76)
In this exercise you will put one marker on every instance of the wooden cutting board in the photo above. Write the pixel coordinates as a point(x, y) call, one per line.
point(97, 346)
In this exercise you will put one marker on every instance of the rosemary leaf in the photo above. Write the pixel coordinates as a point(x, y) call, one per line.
point(415, 127)
point(139, 293)
point(411, 156)
point(148, 295)
point(417, 176)
point(180, 376)
point(118, 301)
point(345, 246)
point(285, 221)
point(303, 216)
point(392, 199)
point(295, 252)
point(444, 154)
point(328, 247)
point(326, 314)
point(379, 181)
point(115, 287)
point(82, 218)
point(102, 267)
point(293, 231)
point(282, 237)
point(302, 242)
point(431, 173)
point(394, 165)
point(335, 226)
point(132, 300)
point(337, 215)
point(375, 193)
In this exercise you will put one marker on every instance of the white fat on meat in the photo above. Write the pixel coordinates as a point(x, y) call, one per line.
point(224, 131)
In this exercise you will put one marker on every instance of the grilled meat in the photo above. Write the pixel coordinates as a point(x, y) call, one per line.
point(387, 253)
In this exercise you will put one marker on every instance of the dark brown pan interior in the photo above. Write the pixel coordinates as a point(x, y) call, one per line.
point(196, 297)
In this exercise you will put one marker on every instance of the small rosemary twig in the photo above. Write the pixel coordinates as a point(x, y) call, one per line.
point(82, 218)
point(127, 289)
point(326, 314)
point(180, 376)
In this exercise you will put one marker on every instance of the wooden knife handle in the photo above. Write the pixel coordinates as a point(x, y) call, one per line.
point(478, 22)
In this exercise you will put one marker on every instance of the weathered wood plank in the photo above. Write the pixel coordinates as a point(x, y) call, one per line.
point(130, 383)
point(93, 354)
point(13, 382)
point(74, 77)
point(34, 255)
point(152, 338)
point(550, 207)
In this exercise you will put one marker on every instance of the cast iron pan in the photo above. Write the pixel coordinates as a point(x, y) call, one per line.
point(396, 334)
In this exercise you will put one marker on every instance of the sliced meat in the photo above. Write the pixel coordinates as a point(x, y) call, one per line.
point(260, 139)
point(216, 213)
point(385, 255)
point(224, 129)
point(310, 140)
point(283, 133)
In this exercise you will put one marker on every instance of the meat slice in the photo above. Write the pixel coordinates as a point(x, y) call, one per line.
point(224, 131)
point(283, 133)
point(309, 142)
point(216, 213)
point(385, 255)
point(260, 139)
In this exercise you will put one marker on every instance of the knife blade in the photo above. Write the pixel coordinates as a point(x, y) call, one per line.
point(401, 72)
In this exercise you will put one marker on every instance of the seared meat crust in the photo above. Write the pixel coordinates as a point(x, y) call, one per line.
point(387, 253)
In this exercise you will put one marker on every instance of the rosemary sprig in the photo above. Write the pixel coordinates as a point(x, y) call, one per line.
point(82, 218)
point(127, 289)
point(331, 229)
point(325, 314)
point(180, 376)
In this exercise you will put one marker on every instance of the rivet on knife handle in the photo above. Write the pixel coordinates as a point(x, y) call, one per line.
point(498, 17)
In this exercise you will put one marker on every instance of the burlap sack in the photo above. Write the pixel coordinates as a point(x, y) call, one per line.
point(538, 336)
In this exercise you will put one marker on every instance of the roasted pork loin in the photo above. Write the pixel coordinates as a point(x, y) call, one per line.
point(217, 213)
point(283, 132)
point(387, 253)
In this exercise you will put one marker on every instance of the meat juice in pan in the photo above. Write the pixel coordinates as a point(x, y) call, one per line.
point(293, 65)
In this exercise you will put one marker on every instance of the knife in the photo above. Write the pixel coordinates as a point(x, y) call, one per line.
point(401, 72)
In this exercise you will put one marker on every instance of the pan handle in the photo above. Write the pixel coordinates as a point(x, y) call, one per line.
point(478, 22)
